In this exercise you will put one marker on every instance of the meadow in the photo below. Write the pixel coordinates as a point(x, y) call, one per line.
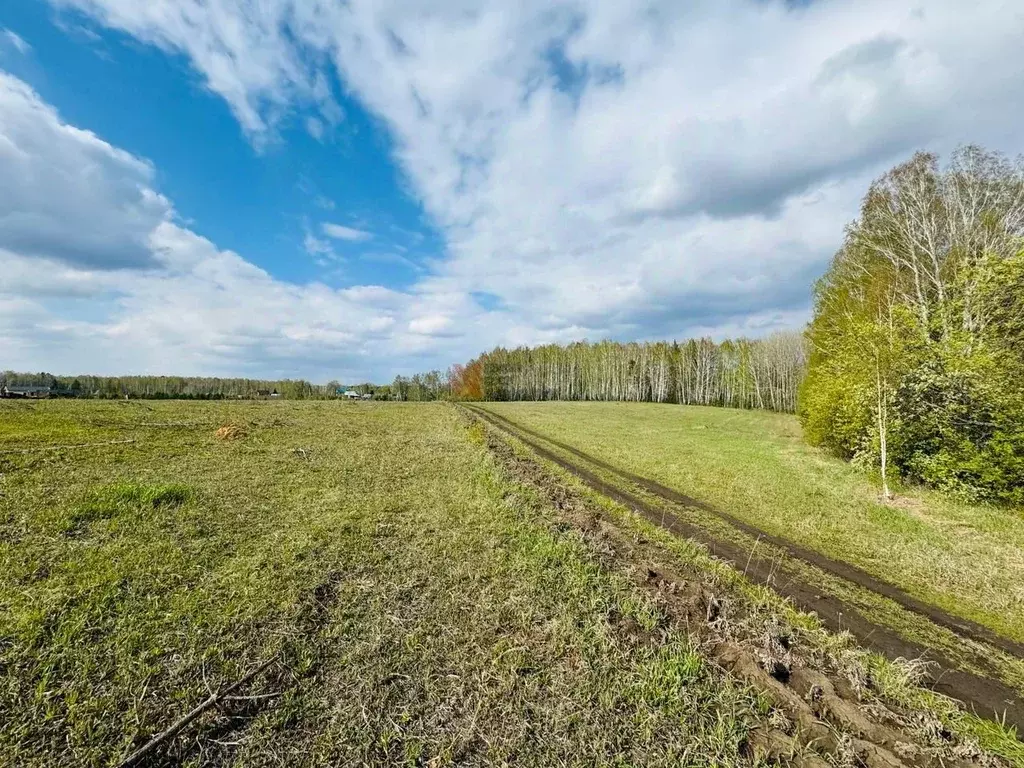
point(967, 559)
point(419, 606)
point(395, 585)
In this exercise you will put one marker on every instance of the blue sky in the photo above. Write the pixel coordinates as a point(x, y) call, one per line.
point(257, 201)
point(353, 190)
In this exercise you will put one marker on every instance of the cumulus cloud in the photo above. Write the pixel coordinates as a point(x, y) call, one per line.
point(150, 295)
point(67, 194)
point(238, 46)
point(625, 169)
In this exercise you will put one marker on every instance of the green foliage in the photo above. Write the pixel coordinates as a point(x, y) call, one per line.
point(119, 499)
point(918, 333)
point(961, 425)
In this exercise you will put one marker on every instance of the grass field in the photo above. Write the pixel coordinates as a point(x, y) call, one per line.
point(424, 610)
point(967, 559)
point(420, 602)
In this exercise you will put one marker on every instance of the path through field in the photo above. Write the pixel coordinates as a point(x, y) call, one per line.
point(989, 696)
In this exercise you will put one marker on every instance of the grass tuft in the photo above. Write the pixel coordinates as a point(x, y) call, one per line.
point(126, 499)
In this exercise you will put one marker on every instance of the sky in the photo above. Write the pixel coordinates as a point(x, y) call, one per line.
point(353, 190)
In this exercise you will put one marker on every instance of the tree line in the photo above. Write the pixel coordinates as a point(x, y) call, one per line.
point(917, 342)
point(168, 387)
point(743, 373)
point(433, 385)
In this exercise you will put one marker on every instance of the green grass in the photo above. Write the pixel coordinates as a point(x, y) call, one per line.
point(425, 609)
point(967, 559)
point(894, 683)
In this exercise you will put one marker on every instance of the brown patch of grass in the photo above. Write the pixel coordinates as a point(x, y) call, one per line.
point(231, 432)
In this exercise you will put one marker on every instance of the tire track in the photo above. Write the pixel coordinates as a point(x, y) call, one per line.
point(961, 626)
point(986, 697)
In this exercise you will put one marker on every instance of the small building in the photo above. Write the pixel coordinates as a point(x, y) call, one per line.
point(351, 394)
point(32, 392)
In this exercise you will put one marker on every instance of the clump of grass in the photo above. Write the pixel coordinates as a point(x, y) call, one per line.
point(126, 498)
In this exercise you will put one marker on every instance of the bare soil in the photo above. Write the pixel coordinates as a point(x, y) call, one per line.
point(987, 697)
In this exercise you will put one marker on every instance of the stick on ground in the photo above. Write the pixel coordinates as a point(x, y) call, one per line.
point(178, 725)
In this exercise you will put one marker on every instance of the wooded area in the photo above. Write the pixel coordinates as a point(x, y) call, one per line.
point(764, 373)
point(917, 343)
point(427, 386)
point(167, 387)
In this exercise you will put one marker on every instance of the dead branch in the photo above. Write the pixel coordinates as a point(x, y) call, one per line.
point(182, 722)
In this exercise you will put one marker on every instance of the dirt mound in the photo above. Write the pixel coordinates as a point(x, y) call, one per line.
point(231, 432)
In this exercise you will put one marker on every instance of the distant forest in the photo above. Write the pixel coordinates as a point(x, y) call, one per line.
point(165, 387)
point(426, 386)
point(764, 373)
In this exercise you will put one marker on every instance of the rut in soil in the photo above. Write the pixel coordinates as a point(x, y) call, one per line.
point(988, 698)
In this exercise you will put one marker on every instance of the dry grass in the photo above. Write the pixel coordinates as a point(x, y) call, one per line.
point(231, 432)
point(425, 610)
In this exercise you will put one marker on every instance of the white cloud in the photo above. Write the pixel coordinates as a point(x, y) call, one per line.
point(315, 128)
point(339, 232)
point(430, 325)
point(315, 246)
point(179, 304)
point(240, 47)
point(632, 169)
point(66, 193)
point(17, 41)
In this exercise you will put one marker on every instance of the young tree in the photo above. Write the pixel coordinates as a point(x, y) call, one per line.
point(911, 293)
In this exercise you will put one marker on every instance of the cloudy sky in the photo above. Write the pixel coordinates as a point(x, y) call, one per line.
point(328, 189)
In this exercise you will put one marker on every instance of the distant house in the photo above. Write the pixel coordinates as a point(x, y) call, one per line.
point(351, 394)
point(33, 392)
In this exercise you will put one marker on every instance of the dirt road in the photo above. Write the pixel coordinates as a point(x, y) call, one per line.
point(987, 697)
